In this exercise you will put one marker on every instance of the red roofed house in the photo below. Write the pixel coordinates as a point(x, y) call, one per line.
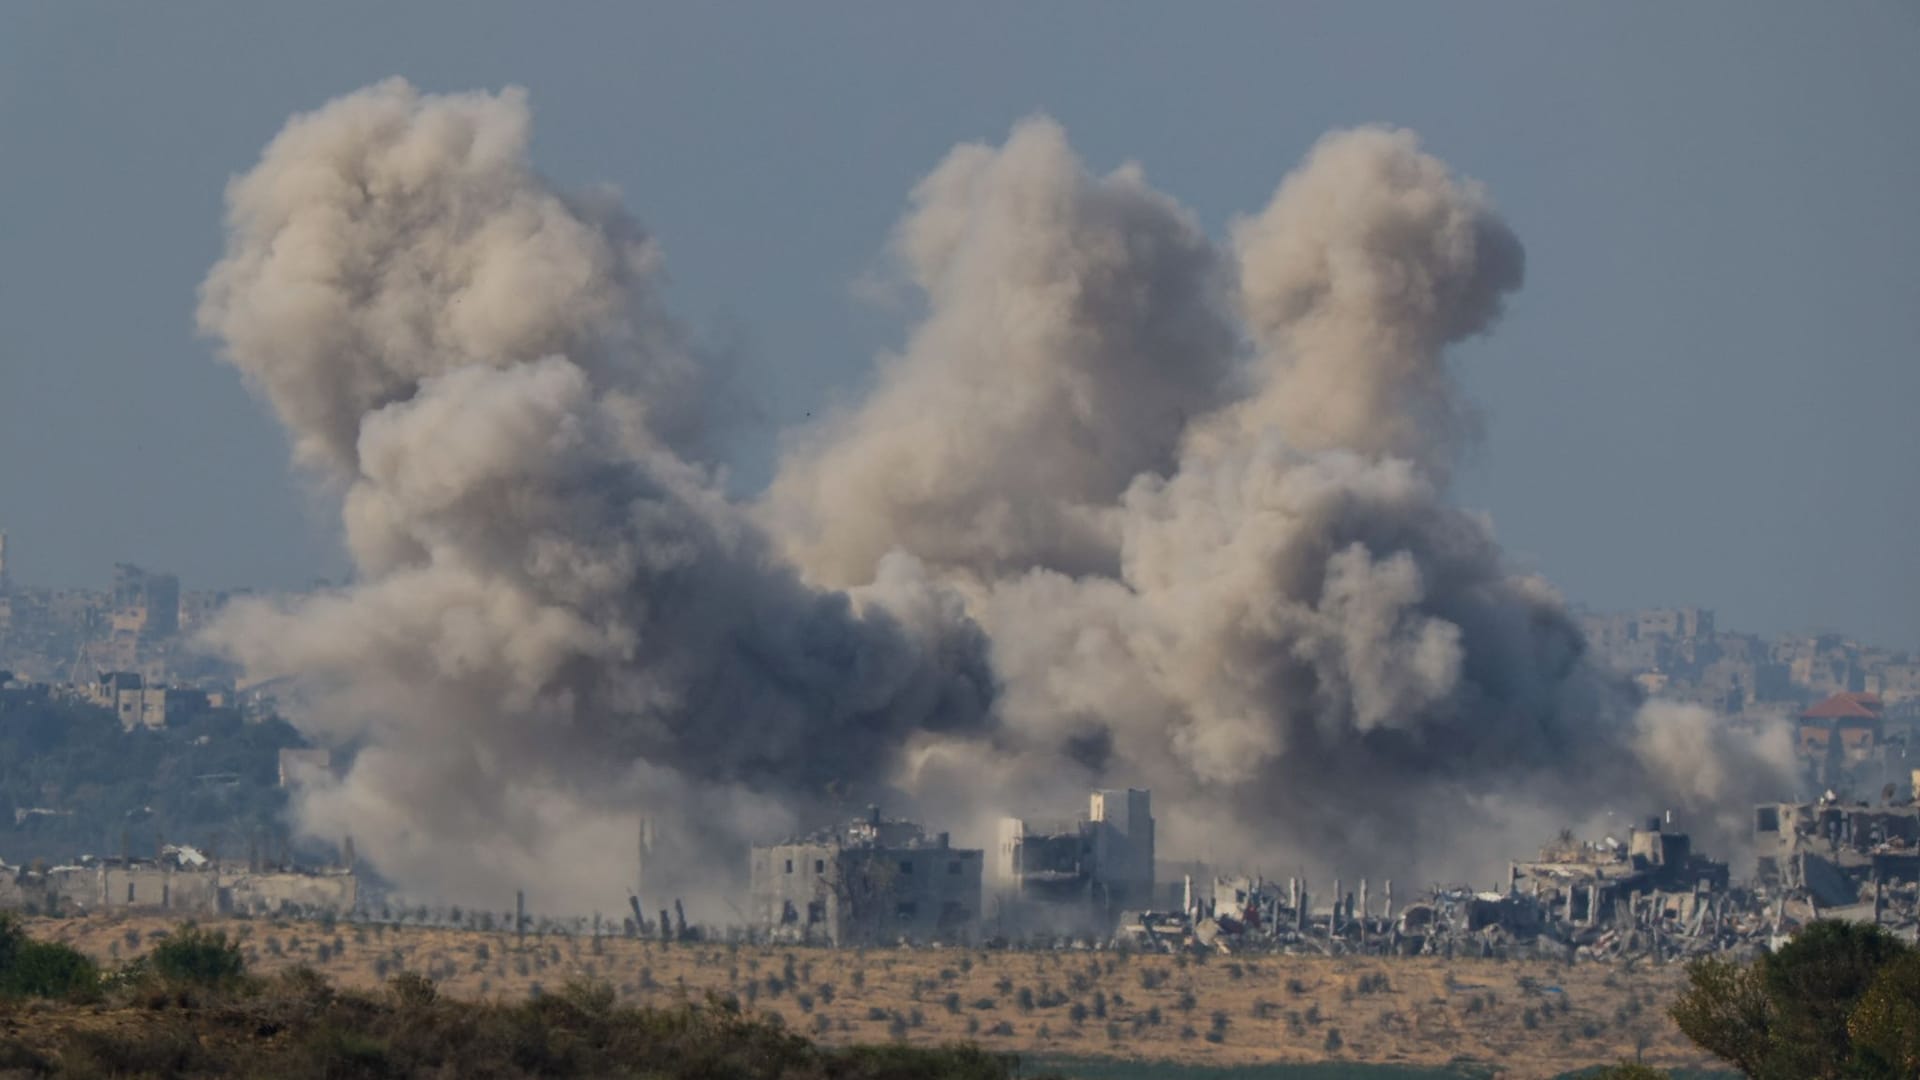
point(1853, 719)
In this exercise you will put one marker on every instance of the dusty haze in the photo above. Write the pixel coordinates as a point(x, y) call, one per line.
point(1129, 507)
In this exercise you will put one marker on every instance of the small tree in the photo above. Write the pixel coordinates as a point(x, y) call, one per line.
point(1815, 981)
point(1792, 1013)
point(51, 970)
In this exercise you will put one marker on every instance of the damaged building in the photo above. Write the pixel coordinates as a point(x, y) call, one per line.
point(180, 879)
point(1583, 882)
point(1650, 894)
point(1077, 876)
point(870, 881)
point(1836, 851)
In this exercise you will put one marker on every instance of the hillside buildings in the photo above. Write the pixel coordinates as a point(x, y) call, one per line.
point(1847, 726)
point(141, 623)
point(1681, 654)
point(128, 696)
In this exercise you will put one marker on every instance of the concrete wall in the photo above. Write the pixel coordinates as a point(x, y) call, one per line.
point(1123, 847)
point(147, 887)
point(843, 896)
point(919, 894)
point(267, 893)
point(792, 892)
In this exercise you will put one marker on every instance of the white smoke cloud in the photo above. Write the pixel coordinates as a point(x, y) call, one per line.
point(1369, 260)
point(1076, 325)
point(1303, 647)
point(559, 623)
point(1128, 508)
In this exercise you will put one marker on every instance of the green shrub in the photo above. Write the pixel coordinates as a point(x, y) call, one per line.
point(47, 969)
point(412, 990)
point(197, 957)
point(51, 970)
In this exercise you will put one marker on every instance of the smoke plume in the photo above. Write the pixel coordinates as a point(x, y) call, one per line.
point(1076, 326)
point(1301, 645)
point(558, 623)
point(1128, 508)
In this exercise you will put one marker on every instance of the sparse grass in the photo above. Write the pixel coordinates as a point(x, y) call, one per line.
point(1280, 1008)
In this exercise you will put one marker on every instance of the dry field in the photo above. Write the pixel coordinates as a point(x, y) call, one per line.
point(1528, 1018)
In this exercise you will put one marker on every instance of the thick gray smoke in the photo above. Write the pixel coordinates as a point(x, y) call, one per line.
point(1128, 508)
point(1304, 648)
point(559, 623)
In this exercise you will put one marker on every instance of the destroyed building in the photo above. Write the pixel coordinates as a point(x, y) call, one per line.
point(180, 879)
point(1077, 876)
point(1583, 882)
point(1649, 894)
point(869, 881)
point(1832, 847)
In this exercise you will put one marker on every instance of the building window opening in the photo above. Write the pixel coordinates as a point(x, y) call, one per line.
point(789, 866)
point(906, 866)
point(953, 866)
point(907, 909)
point(819, 866)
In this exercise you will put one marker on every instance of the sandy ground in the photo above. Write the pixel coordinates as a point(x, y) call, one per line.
point(1529, 1018)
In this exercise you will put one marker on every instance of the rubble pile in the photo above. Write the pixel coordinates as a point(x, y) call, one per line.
point(1649, 897)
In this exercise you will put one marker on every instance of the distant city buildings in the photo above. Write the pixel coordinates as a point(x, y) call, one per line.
point(126, 647)
point(1855, 708)
point(1680, 654)
point(1843, 729)
point(126, 694)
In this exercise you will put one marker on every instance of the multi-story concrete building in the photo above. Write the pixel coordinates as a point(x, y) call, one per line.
point(145, 603)
point(870, 881)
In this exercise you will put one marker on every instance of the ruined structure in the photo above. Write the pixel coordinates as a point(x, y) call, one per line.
point(1580, 882)
point(1076, 876)
point(869, 881)
point(181, 879)
point(1651, 894)
point(1837, 851)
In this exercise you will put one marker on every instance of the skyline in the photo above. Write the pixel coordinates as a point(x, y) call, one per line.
point(1716, 273)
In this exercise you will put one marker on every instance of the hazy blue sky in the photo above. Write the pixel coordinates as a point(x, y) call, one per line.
point(1706, 393)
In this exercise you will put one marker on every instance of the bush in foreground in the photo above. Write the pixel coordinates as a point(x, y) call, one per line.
point(47, 969)
point(188, 1009)
point(197, 957)
point(1839, 1000)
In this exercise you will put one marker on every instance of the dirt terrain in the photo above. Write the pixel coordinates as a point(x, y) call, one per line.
point(1528, 1018)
